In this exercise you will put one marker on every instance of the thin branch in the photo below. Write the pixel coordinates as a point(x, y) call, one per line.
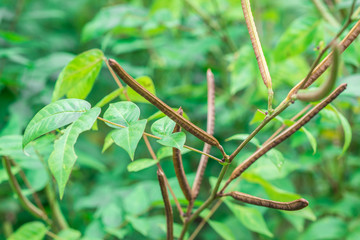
point(255, 41)
point(209, 129)
point(22, 198)
point(156, 137)
point(283, 136)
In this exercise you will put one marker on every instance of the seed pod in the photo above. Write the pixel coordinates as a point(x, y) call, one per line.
point(184, 123)
point(287, 206)
point(168, 209)
point(178, 166)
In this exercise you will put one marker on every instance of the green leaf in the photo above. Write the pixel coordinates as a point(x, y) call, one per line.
point(251, 218)
point(140, 224)
point(163, 127)
point(128, 138)
point(176, 140)
point(31, 231)
point(53, 116)
point(297, 37)
point(222, 229)
point(254, 140)
point(147, 83)
point(69, 234)
point(345, 125)
point(77, 78)
point(141, 164)
point(123, 113)
point(62, 159)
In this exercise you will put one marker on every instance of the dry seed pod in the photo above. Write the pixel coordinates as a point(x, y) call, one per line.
point(168, 209)
point(178, 166)
point(319, 93)
point(184, 123)
point(287, 206)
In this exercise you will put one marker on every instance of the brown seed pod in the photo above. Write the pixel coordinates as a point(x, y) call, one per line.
point(287, 206)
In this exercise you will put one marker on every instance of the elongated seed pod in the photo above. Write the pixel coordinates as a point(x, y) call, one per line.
point(178, 166)
point(287, 206)
point(287, 133)
point(319, 93)
point(168, 209)
point(184, 123)
point(209, 129)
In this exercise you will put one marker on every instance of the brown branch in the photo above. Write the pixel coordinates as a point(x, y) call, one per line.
point(288, 206)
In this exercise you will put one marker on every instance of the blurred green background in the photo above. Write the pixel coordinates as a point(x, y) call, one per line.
point(174, 43)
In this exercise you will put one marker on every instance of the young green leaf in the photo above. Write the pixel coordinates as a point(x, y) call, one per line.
point(176, 140)
point(53, 116)
point(124, 113)
point(31, 230)
point(141, 164)
point(128, 138)
point(77, 78)
point(63, 158)
point(163, 127)
point(251, 218)
point(108, 141)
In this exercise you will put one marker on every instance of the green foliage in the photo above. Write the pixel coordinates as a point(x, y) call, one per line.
point(31, 230)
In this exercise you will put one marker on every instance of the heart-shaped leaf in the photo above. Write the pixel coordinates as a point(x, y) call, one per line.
point(176, 140)
point(128, 138)
point(163, 127)
point(123, 113)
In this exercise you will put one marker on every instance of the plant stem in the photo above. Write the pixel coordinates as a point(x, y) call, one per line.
point(57, 214)
point(117, 79)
